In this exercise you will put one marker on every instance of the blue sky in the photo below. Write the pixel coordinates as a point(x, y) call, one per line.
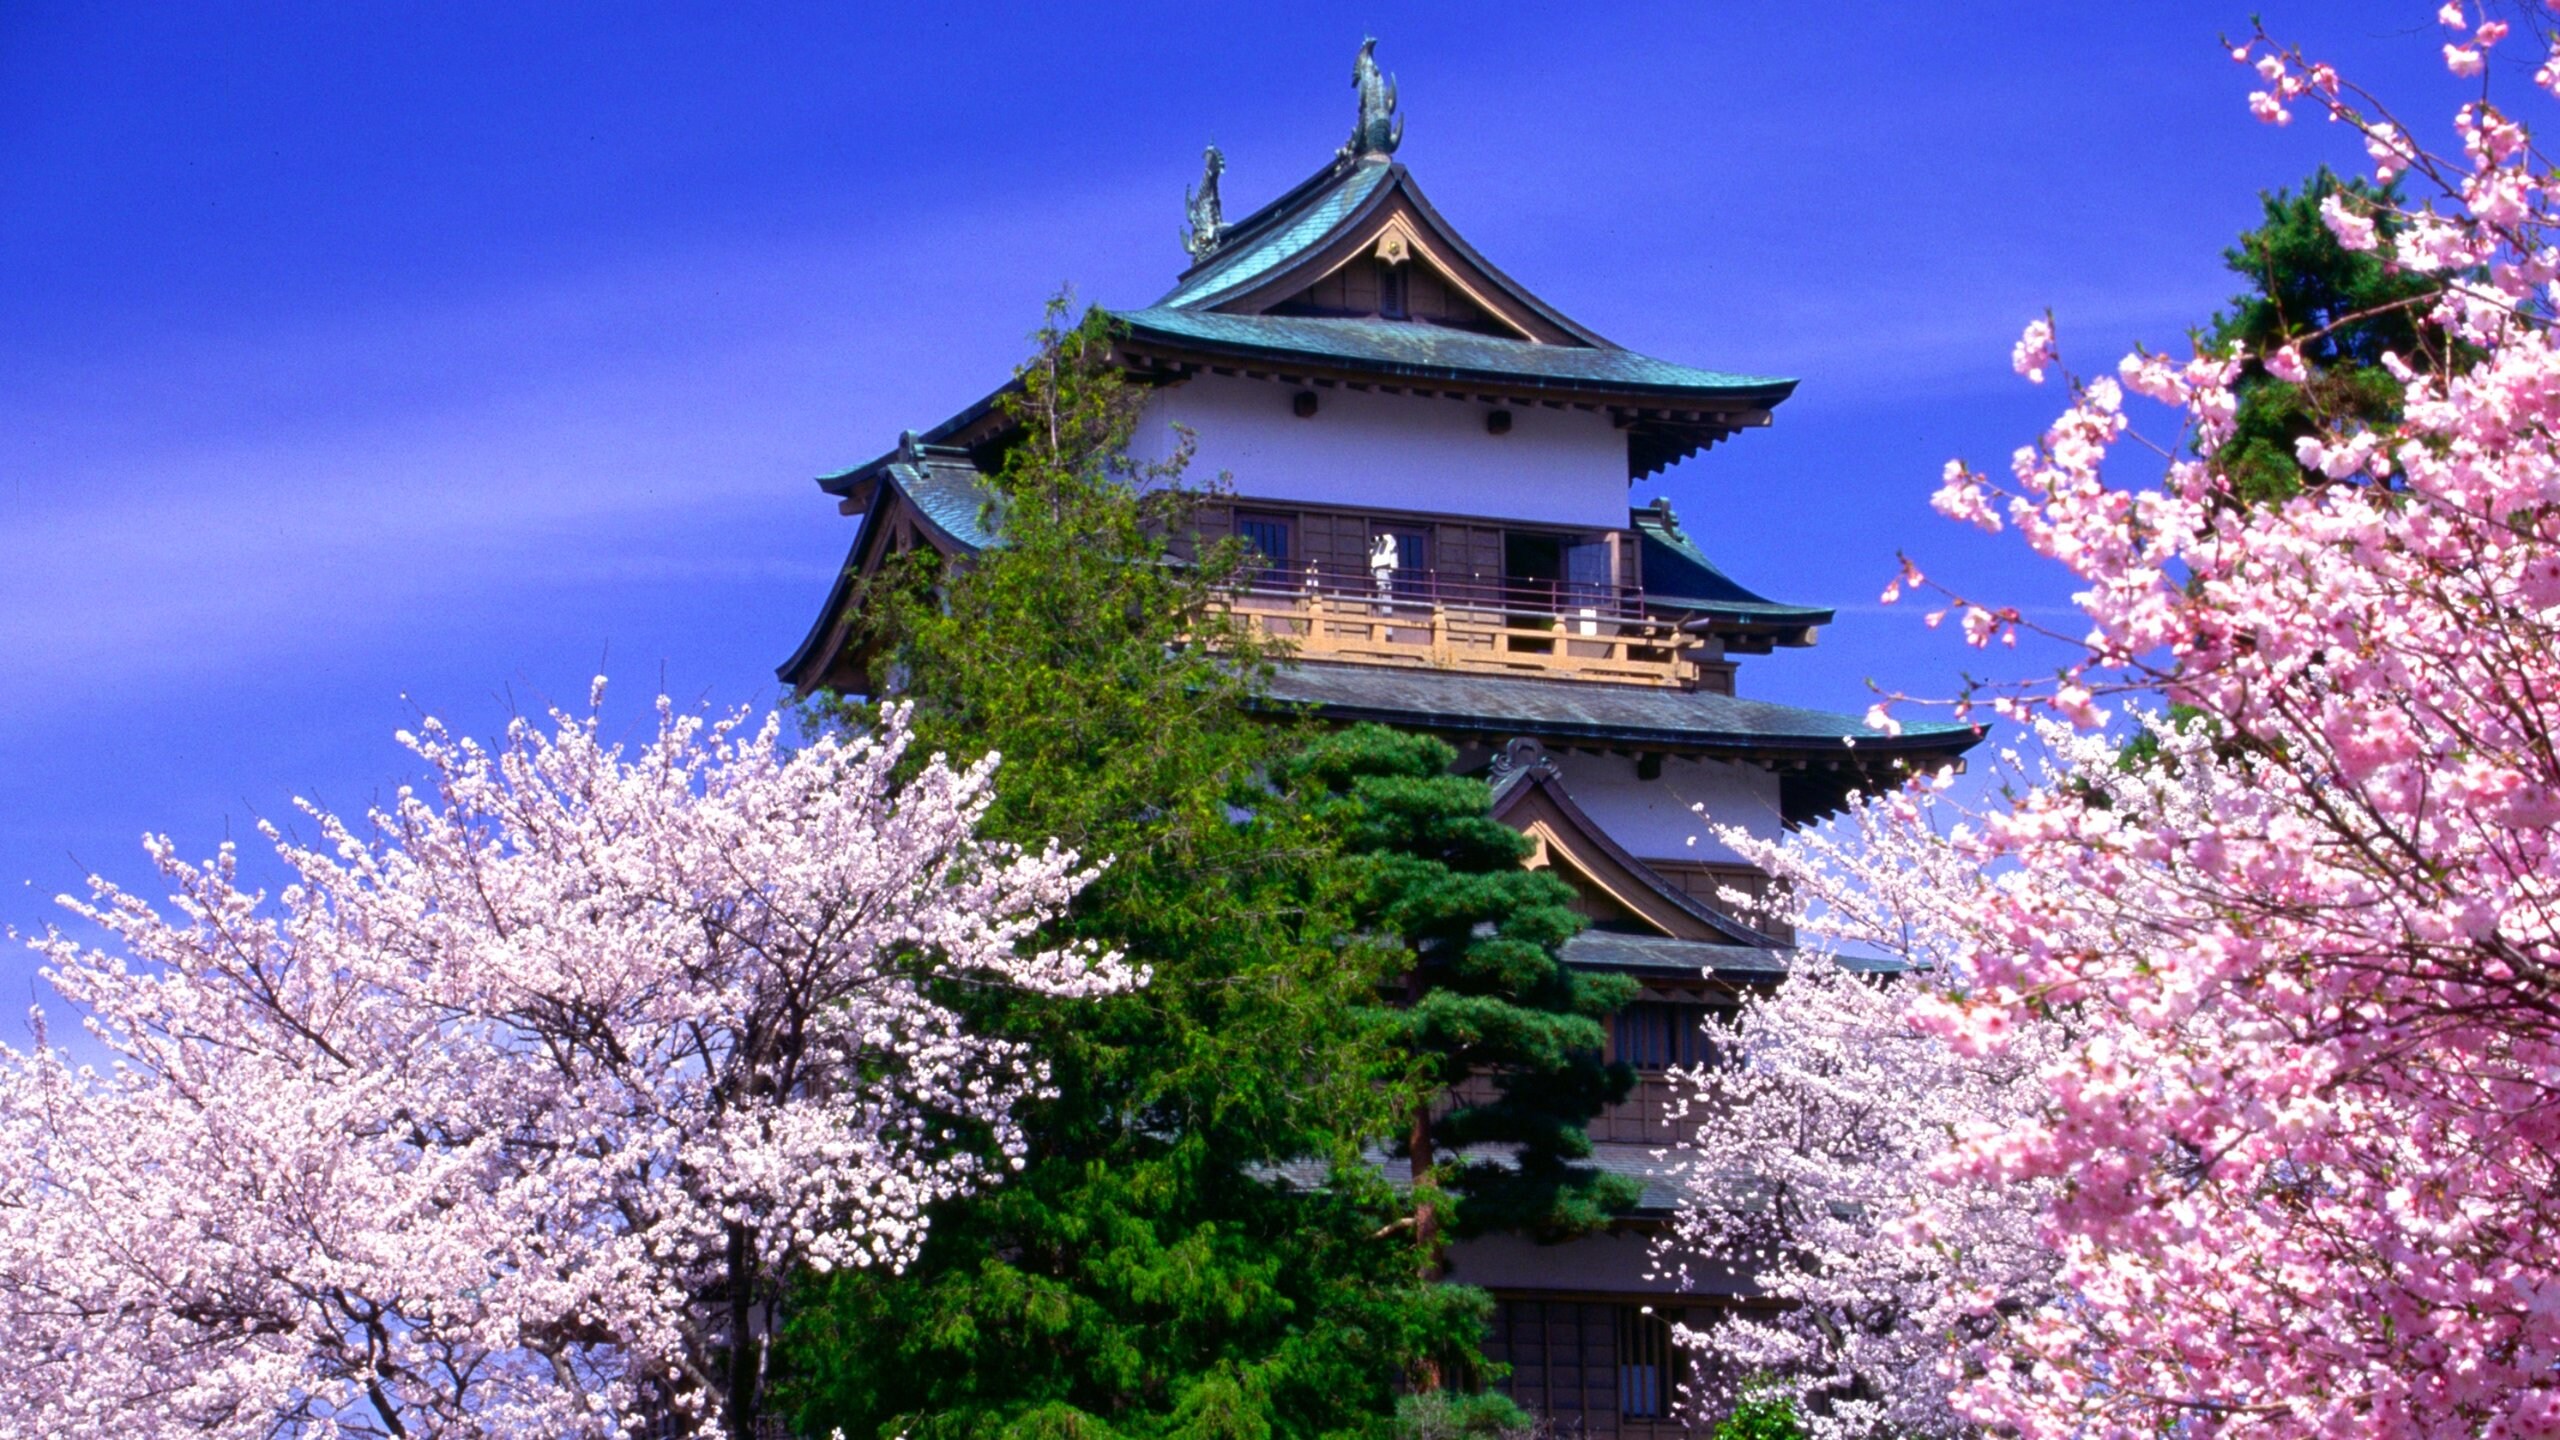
point(357, 360)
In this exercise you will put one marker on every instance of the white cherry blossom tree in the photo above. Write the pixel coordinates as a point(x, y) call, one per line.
point(514, 1111)
point(1807, 1159)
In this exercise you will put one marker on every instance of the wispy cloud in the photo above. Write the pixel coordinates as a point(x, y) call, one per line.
point(654, 422)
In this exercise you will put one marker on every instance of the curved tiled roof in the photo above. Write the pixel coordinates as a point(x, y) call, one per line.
point(945, 489)
point(1679, 576)
point(1658, 954)
point(1420, 348)
point(1248, 256)
point(951, 493)
point(1578, 710)
point(1300, 228)
point(1822, 757)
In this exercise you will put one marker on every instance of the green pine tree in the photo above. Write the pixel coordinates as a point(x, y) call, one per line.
point(2343, 307)
point(1507, 1038)
point(1196, 1246)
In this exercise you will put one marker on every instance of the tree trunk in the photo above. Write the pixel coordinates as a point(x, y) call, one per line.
point(743, 1396)
point(1426, 1225)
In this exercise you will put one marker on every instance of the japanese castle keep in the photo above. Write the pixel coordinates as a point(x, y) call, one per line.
point(1433, 464)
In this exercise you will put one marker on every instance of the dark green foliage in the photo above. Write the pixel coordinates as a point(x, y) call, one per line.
point(2344, 308)
point(1147, 1273)
point(1130, 1297)
point(1486, 997)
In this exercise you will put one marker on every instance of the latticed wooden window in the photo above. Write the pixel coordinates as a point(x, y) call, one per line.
point(1562, 1355)
point(1661, 1034)
point(1269, 537)
point(1588, 1367)
point(1647, 1377)
point(1391, 302)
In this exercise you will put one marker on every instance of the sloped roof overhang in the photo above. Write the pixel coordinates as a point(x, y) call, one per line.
point(1820, 757)
point(1531, 795)
point(1213, 320)
point(1333, 218)
point(1487, 365)
point(938, 489)
point(1680, 580)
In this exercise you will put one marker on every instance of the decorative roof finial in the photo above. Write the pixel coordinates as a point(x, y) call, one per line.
point(1380, 129)
point(1208, 218)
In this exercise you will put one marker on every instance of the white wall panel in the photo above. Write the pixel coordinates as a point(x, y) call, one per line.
point(1652, 818)
point(1401, 452)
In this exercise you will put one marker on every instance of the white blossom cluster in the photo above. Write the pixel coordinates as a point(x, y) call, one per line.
point(511, 1113)
point(1807, 1164)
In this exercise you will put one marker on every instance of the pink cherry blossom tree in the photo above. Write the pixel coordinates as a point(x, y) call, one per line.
point(2280, 984)
point(513, 1112)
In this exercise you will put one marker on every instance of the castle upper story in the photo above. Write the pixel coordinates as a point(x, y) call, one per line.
point(1430, 466)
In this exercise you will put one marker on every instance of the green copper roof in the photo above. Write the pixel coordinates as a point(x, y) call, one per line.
point(1290, 241)
point(1246, 256)
point(1422, 349)
point(950, 492)
point(1677, 576)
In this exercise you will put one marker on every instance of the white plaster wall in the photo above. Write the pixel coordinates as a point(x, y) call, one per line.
point(1652, 818)
point(1397, 452)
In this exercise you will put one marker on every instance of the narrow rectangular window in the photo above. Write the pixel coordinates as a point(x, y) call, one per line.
point(1268, 535)
point(1586, 574)
point(1391, 291)
point(1644, 1365)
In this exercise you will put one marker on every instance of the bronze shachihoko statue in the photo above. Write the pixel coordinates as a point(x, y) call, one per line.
point(1380, 129)
point(1208, 218)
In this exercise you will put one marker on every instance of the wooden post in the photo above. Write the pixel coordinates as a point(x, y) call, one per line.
point(1440, 634)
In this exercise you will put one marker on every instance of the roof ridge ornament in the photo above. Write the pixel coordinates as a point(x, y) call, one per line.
point(1379, 129)
point(1662, 514)
point(1202, 208)
point(1521, 755)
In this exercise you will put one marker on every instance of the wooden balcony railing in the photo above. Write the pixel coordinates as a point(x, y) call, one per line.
point(1560, 629)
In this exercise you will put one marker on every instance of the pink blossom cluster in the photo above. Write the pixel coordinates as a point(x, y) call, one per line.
point(2282, 982)
point(511, 1113)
